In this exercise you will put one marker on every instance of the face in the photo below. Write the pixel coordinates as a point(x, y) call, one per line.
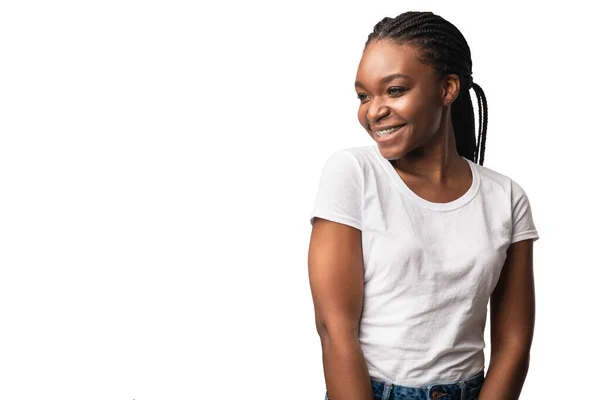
point(396, 89)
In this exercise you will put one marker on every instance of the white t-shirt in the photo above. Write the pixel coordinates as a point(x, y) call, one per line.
point(429, 268)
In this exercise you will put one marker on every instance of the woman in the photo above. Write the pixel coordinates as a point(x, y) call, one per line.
point(412, 236)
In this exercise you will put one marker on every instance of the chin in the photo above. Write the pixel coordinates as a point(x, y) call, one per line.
point(391, 152)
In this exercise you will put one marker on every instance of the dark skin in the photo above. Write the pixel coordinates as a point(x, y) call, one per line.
point(425, 157)
point(424, 152)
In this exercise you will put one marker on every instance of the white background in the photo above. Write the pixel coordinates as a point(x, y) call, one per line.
point(159, 161)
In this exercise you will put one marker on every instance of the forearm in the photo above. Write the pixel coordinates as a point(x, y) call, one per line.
point(346, 373)
point(506, 375)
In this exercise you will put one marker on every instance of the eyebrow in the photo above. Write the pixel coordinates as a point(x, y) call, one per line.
point(385, 79)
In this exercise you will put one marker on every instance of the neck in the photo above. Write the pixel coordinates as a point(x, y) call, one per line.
point(435, 161)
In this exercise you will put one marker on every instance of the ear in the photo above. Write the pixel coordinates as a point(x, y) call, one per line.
point(450, 89)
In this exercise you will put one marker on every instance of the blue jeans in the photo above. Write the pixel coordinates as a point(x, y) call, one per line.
point(467, 389)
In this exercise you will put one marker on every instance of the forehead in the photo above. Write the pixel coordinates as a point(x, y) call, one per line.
point(382, 58)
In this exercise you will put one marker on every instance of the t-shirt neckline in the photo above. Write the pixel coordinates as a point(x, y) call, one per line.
point(454, 204)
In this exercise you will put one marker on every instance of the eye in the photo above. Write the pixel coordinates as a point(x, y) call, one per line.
point(361, 97)
point(396, 90)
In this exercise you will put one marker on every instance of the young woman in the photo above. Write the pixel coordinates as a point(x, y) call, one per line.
point(412, 236)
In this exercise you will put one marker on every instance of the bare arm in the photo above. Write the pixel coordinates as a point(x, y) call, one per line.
point(335, 266)
point(512, 318)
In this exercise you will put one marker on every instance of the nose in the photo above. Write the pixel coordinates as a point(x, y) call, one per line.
point(377, 110)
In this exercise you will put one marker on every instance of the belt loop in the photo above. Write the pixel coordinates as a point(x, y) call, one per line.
point(387, 390)
point(463, 390)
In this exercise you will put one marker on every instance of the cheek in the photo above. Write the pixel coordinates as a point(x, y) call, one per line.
point(362, 116)
point(420, 116)
point(408, 107)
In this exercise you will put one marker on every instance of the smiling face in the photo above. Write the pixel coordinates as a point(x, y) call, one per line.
point(396, 89)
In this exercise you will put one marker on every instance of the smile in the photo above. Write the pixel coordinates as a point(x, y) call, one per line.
point(385, 132)
point(385, 135)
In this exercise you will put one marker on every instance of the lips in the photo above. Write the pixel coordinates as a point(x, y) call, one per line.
point(390, 137)
point(383, 128)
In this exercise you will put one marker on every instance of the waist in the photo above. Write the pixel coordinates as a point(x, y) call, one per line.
point(468, 389)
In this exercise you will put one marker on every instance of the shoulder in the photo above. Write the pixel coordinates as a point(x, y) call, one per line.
point(366, 157)
point(501, 186)
point(360, 152)
point(350, 160)
point(493, 180)
point(493, 177)
point(362, 155)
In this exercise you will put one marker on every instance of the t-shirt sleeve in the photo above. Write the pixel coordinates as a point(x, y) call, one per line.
point(340, 190)
point(523, 226)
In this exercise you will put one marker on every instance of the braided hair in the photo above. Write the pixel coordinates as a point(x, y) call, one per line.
point(441, 45)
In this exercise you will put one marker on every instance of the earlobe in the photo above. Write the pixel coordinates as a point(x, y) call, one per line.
point(451, 88)
point(447, 99)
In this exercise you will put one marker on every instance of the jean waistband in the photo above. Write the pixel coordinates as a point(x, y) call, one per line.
point(465, 389)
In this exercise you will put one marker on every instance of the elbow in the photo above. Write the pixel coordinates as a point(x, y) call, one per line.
point(513, 345)
point(336, 331)
point(518, 354)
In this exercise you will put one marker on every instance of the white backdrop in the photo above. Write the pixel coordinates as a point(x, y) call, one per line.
point(159, 161)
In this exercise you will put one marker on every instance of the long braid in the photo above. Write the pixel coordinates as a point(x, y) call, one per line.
point(444, 47)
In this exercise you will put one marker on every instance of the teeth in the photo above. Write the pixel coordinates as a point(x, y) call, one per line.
point(387, 131)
